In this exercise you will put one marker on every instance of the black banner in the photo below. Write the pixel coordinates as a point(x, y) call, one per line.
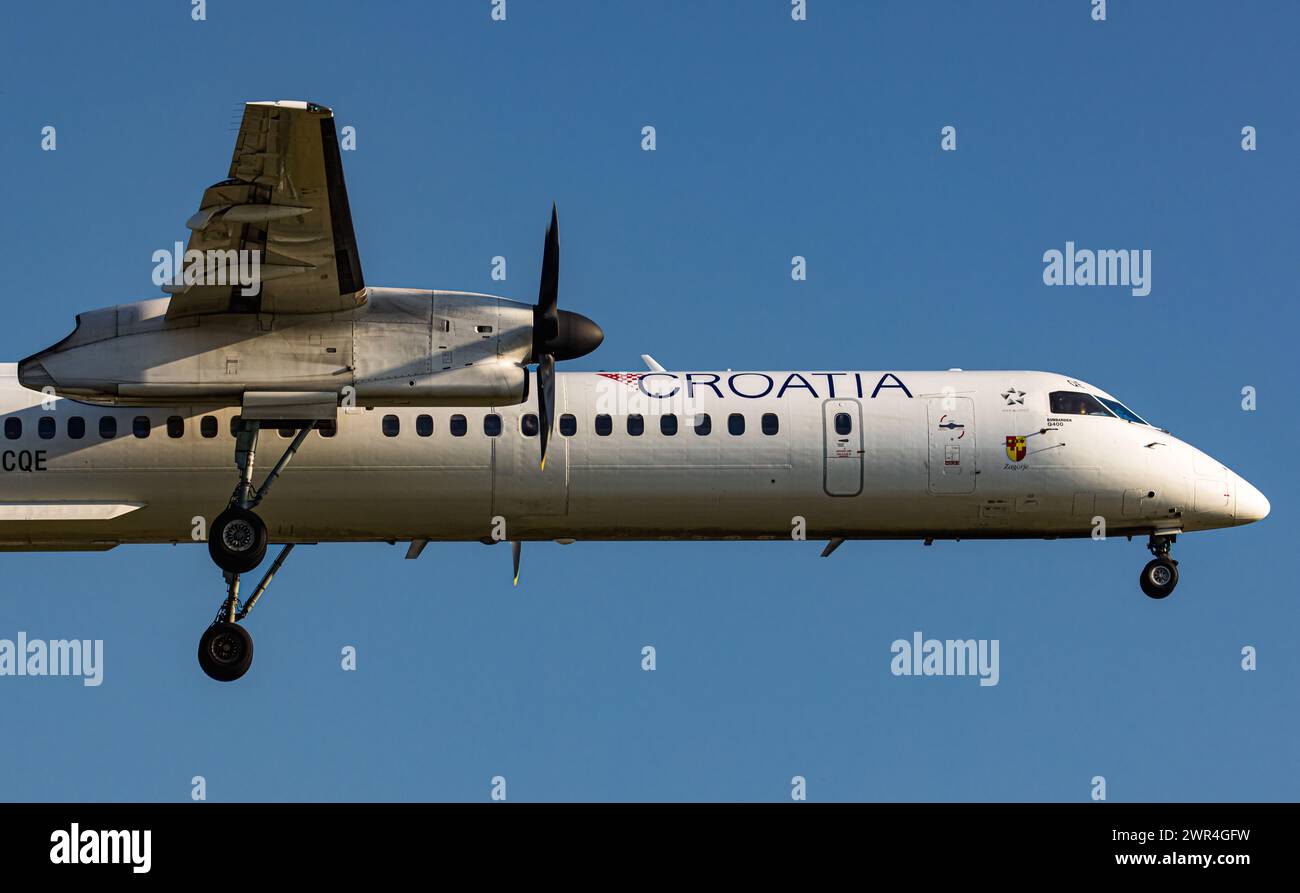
point(334, 841)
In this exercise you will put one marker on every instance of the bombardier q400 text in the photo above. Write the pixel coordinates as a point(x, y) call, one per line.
point(124, 431)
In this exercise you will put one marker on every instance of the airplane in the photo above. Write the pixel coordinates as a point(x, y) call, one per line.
point(439, 416)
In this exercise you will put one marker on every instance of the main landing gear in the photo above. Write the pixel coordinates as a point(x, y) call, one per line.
point(237, 538)
point(237, 542)
point(226, 648)
point(1160, 576)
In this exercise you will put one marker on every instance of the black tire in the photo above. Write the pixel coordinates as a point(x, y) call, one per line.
point(225, 651)
point(1159, 577)
point(237, 540)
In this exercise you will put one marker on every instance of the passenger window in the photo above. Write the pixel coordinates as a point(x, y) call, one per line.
point(492, 424)
point(175, 426)
point(843, 423)
point(771, 424)
point(736, 424)
point(234, 425)
point(391, 426)
point(528, 425)
point(459, 427)
point(568, 425)
point(424, 426)
point(140, 426)
point(13, 428)
point(76, 427)
point(208, 426)
point(668, 424)
point(1075, 403)
point(45, 427)
point(328, 428)
point(636, 425)
point(286, 433)
point(703, 424)
point(107, 427)
point(604, 425)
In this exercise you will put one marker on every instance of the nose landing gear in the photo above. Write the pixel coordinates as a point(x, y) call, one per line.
point(1160, 576)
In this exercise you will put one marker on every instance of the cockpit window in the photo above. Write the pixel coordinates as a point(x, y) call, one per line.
point(1075, 403)
point(1124, 412)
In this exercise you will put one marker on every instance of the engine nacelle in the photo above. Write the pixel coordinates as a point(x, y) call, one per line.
point(403, 347)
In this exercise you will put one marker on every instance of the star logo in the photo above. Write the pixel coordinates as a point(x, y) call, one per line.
point(1012, 396)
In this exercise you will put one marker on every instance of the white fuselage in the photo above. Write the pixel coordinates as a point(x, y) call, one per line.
point(852, 454)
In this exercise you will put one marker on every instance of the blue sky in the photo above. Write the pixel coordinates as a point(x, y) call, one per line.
point(775, 138)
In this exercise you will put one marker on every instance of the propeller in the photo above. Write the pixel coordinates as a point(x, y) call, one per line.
point(545, 400)
point(557, 334)
point(516, 550)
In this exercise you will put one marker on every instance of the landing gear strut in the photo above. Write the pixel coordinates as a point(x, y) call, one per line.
point(237, 542)
point(1160, 576)
point(237, 539)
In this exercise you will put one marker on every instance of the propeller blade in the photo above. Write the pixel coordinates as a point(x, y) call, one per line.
point(547, 321)
point(516, 547)
point(545, 401)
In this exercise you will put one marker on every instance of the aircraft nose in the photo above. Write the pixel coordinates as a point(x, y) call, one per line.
point(1252, 505)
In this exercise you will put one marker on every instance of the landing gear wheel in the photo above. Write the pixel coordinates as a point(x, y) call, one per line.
point(225, 651)
point(237, 540)
point(1159, 577)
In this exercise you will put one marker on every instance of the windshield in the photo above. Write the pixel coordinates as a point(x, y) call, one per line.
point(1124, 412)
point(1075, 403)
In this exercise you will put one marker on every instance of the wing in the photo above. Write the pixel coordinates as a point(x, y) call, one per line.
point(285, 199)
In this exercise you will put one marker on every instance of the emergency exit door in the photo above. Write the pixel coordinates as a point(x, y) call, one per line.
point(842, 440)
point(952, 444)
